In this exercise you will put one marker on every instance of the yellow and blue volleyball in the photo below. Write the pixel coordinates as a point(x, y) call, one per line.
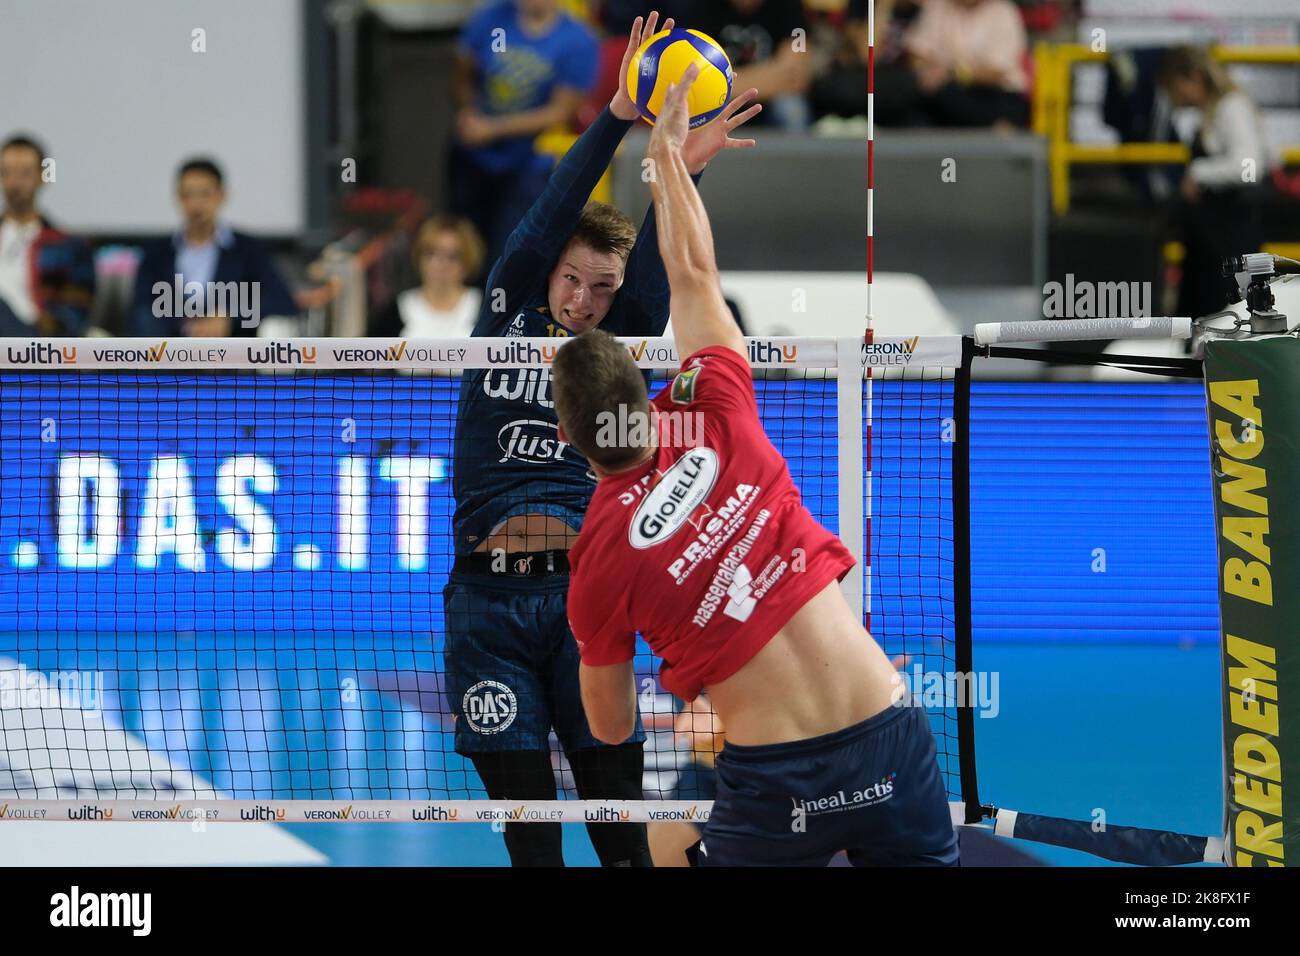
point(663, 59)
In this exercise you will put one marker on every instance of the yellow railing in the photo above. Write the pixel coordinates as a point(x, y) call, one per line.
point(1053, 98)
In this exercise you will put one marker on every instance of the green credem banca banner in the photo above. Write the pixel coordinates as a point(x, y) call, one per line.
point(1253, 398)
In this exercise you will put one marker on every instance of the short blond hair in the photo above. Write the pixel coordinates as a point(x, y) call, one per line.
point(605, 228)
point(471, 244)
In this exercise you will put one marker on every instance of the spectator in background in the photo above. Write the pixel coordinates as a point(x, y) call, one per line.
point(47, 278)
point(1225, 185)
point(898, 97)
point(968, 57)
point(448, 255)
point(759, 37)
point(839, 84)
point(205, 251)
point(616, 16)
point(523, 67)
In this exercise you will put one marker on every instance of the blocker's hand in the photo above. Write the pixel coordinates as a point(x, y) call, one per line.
point(621, 105)
point(706, 142)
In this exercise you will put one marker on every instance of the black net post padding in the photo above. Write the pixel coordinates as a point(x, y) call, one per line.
point(1147, 364)
point(961, 577)
point(1135, 845)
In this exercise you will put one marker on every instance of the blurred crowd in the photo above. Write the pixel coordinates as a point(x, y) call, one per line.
point(947, 63)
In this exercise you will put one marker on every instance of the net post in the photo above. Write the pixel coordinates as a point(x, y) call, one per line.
point(1250, 385)
point(961, 577)
point(848, 375)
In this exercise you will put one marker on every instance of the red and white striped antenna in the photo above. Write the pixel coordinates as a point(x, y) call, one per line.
point(871, 185)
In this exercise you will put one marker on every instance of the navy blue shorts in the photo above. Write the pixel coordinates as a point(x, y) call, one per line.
point(873, 789)
point(512, 665)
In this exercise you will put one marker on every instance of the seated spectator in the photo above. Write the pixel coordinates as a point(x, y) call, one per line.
point(47, 278)
point(843, 88)
point(523, 67)
point(206, 279)
point(968, 58)
point(448, 255)
point(1225, 186)
point(759, 37)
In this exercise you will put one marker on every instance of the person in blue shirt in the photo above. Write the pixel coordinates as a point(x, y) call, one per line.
point(522, 67)
point(511, 663)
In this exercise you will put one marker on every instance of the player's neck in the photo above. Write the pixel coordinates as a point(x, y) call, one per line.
point(646, 455)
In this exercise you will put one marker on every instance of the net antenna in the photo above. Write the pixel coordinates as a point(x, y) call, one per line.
point(870, 332)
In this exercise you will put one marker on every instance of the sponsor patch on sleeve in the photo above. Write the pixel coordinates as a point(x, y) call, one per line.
point(683, 392)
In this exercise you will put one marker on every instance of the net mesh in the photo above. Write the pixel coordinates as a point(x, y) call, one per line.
point(230, 585)
point(909, 436)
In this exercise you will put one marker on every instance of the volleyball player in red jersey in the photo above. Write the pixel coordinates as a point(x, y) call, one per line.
point(706, 549)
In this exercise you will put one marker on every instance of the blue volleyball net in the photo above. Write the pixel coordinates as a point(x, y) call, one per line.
point(223, 562)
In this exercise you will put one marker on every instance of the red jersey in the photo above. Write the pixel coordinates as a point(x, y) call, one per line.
point(707, 550)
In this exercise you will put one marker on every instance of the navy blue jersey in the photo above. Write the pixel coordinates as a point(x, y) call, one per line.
point(509, 459)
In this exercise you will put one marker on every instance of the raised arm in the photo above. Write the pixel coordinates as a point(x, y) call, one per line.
point(700, 316)
point(645, 284)
point(542, 233)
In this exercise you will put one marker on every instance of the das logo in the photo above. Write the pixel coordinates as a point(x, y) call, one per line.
point(490, 707)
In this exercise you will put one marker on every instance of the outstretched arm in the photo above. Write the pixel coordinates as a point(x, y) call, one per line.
point(645, 285)
point(542, 233)
point(700, 316)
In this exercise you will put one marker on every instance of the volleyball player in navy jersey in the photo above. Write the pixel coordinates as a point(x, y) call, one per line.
point(521, 491)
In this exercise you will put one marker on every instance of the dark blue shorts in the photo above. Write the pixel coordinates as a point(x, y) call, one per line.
point(873, 789)
point(512, 665)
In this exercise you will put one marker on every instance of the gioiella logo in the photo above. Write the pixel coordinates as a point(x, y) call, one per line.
point(43, 354)
point(679, 492)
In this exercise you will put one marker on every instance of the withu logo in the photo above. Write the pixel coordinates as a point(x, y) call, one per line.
point(41, 353)
point(282, 353)
point(263, 812)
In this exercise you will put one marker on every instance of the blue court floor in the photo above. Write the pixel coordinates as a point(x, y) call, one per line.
point(1131, 730)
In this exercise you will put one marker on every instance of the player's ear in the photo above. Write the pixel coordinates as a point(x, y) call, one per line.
point(559, 427)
